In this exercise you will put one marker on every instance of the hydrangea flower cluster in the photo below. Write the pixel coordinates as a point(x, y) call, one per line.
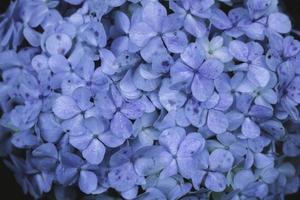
point(178, 99)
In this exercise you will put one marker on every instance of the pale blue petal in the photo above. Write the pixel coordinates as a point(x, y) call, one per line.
point(108, 62)
point(122, 178)
point(80, 142)
point(58, 63)
point(258, 75)
point(194, 113)
point(221, 160)
point(141, 33)
point(215, 181)
point(24, 140)
point(191, 144)
point(153, 48)
point(239, 50)
point(94, 153)
point(195, 27)
point(202, 88)
point(65, 107)
point(171, 138)
point(51, 130)
point(169, 98)
point(122, 21)
point(274, 128)
point(262, 160)
point(88, 181)
point(255, 31)
point(82, 97)
point(153, 15)
point(110, 139)
point(243, 178)
point(172, 22)
point(181, 74)
point(257, 189)
point(32, 36)
point(279, 22)
point(58, 43)
point(250, 129)
point(220, 20)
point(211, 68)
point(133, 110)
point(217, 121)
point(150, 160)
point(193, 56)
point(176, 41)
point(121, 126)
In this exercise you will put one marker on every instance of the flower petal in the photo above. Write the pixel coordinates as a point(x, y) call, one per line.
point(211, 68)
point(87, 181)
point(51, 130)
point(192, 143)
point(239, 50)
point(176, 41)
point(141, 33)
point(193, 56)
point(65, 107)
point(153, 15)
point(215, 181)
point(121, 126)
point(217, 121)
point(195, 27)
point(94, 153)
point(242, 179)
point(279, 22)
point(202, 88)
point(258, 75)
point(221, 160)
point(58, 43)
point(220, 20)
point(171, 138)
point(250, 129)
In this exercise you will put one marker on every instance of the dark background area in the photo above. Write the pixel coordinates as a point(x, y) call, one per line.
point(10, 190)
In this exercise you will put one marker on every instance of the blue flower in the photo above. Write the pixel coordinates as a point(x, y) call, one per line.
point(112, 106)
point(187, 99)
point(90, 140)
point(189, 14)
point(215, 49)
point(157, 31)
point(195, 73)
point(71, 168)
point(122, 175)
point(67, 107)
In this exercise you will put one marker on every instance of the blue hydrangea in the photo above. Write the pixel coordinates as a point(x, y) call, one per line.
point(148, 99)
